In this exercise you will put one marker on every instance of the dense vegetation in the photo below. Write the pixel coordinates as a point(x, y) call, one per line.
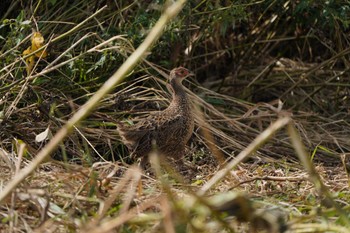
point(257, 63)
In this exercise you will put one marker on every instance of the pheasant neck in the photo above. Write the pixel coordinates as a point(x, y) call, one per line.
point(179, 94)
point(177, 87)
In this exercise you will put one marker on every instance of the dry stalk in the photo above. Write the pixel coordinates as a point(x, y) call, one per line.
point(318, 227)
point(111, 224)
point(252, 147)
point(133, 175)
point(314, 69)
point(107, 87)
point(168, 220)
point(58, 38)
point(208, 136)
point(313, 175)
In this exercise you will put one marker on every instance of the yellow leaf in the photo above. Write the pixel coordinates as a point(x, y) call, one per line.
point(30, 63)
point(27, 51)
point(37, 42)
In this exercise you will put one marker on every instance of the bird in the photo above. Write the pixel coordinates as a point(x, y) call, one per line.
point(167, 131)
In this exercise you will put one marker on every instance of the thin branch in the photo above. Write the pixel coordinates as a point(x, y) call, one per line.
point(107, 87)
point(254, 146)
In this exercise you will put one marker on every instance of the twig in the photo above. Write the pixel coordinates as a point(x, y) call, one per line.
point(272, 178)
point(107, 87)
point(313, 175)
point(254, 146)
point(57, 38)
point(313, 69)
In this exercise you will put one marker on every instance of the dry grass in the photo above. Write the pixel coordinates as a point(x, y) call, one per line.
point(270, 151)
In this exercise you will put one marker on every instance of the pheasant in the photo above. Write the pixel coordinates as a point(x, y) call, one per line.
point(169, 130)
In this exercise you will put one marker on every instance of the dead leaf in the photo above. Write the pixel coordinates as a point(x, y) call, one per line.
point(43, 135)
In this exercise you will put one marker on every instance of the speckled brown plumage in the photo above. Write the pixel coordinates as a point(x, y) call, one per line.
point(169, 129)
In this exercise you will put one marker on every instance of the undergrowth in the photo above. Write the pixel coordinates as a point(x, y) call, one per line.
point(257, 64)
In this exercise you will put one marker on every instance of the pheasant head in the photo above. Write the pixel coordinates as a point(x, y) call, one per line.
point(179, 74)
point(176, 76)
